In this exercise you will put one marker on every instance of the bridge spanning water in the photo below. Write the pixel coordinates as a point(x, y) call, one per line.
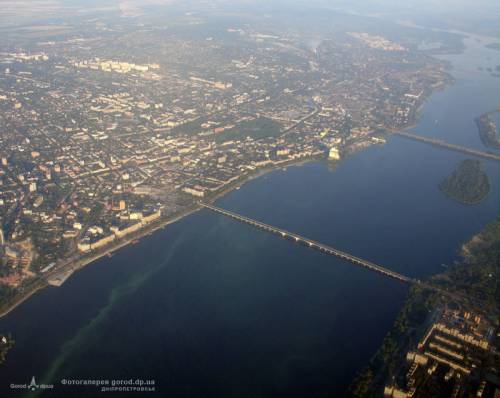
point(446, 145)
point(311, 243)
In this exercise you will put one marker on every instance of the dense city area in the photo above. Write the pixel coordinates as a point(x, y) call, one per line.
point(105, 135)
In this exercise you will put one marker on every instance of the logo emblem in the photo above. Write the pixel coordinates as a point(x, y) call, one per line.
point(33, 386)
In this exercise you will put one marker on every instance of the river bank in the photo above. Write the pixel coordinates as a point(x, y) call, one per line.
point(475, 278)
point(65, 271)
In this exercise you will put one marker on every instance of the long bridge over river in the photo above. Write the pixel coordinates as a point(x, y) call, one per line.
point(446, 145)
point(311, 243)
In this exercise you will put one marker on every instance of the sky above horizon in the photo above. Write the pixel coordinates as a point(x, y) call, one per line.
point(466, 15)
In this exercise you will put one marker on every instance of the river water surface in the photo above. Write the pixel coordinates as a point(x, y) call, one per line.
point(209, 307)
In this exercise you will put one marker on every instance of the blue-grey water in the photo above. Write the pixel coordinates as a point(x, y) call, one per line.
point(209, 307)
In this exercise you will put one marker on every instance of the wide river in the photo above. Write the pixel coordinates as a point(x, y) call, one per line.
point(209, 307)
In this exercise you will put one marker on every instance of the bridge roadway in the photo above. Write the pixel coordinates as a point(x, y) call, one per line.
point(453, 147)
point(310, 243)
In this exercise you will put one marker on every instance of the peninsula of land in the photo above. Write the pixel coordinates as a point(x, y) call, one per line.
point(488, 130)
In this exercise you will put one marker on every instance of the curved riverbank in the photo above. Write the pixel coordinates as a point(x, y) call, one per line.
point(66, 270)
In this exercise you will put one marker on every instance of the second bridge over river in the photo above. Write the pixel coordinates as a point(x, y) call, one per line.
point(311, 243)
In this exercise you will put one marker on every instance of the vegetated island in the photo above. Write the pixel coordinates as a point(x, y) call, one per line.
point(488, 130)
point(468, 183)
point(472, 283)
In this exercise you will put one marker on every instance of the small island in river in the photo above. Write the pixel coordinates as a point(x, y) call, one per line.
point(488, 130)
point(468, 183)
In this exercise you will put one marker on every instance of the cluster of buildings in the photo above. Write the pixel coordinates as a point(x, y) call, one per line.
point(114, 66)
point(96, 237)
point(377, 42)
point(14, 257)
point(455, 358)
point(22, 56)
